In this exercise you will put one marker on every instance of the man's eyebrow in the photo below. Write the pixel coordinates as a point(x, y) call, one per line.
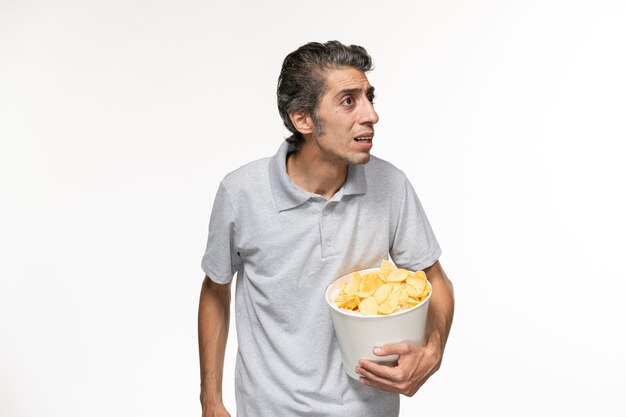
point(370, 90)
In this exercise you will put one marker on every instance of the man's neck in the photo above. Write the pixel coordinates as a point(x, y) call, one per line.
point(311, 172)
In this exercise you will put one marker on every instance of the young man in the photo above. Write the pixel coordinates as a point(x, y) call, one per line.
point(288, 226)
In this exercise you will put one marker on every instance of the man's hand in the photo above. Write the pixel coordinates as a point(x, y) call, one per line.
point(415, 365)
point(217, 411)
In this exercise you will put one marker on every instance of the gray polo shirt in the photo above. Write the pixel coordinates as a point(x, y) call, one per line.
point(286, 246)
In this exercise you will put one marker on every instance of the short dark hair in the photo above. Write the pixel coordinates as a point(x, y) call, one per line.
point(301, 83)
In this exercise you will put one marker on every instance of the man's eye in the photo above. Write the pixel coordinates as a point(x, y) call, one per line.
point(348, 101)
point(371, 98)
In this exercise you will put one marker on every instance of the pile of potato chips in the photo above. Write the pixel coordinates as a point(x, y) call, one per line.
point(383, 291)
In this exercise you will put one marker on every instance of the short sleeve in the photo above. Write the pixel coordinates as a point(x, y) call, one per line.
point(414, 246)
point(221, 260)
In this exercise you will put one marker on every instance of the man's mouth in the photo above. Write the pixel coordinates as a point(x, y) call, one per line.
point(367, 139)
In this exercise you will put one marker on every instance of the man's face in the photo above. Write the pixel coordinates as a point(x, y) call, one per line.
point(346, 117)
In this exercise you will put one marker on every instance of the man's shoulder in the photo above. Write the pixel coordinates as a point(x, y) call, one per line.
point(381, 169)
point(248, 174)
point(384, 179)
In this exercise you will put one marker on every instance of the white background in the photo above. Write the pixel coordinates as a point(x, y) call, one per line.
point(119, 118)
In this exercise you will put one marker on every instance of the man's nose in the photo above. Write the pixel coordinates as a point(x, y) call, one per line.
point(368, 114)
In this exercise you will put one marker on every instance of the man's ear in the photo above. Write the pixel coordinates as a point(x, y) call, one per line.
point(302, 121)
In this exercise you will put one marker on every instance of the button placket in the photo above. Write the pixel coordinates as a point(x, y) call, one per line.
point(327, 229)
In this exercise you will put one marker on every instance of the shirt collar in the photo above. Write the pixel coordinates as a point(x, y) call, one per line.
point(288, 196)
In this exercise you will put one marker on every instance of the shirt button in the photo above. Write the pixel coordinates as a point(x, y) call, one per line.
point(328, 243)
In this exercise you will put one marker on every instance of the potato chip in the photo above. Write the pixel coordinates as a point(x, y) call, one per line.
point(421, 275)
point(352, 288)
point(396, 288)
point(411, 290)
point(403, 295)
point(408, 304)
point(349, 302)
point(386, 266)
point(418, 281)
point(383, 292)
point(369, 283)
point(389, 305)
point(398, 275)
point(368, 306)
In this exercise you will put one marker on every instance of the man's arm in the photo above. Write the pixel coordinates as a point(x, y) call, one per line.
point(416, 363)
point(213, 321)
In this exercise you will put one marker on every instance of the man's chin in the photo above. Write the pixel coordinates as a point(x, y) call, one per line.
point(360, 159)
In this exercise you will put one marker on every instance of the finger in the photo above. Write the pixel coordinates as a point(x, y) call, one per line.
point(373, 384)
point(371, 379)
point(392, 349)
point(381, 371)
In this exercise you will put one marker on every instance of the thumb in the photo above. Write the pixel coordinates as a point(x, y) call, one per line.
point(391, 349)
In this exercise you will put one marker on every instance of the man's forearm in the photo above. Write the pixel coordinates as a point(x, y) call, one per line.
point(213, 322)
point(441, 306)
